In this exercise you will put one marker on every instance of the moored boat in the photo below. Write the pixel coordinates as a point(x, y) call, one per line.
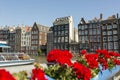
point(11, 59)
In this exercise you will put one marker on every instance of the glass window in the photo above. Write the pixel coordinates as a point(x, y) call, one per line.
point(115, 38)
point(104, 38)
point(91, 38)
point(104, 33)
point(82, 32)
point(98, 38)
point(62, 39)
point(58, 39)
point(83, 27)
point(115, 45)
point(114, 26)
point(66, 39)
point(109, 38)
point(62, 33)
point(103, 27)
point(86, 27)
point(110, 45)
point(109, 32)
point(86, 32)
point(94, 31)
point(66, 26)
point(109, 27)
point(66, 32)
point(90, 31)
point(115, 32)
point(105, 45)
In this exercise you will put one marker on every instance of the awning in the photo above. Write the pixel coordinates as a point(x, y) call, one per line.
point(4, 46)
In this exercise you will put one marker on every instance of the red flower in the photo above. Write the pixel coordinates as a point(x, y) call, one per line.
point(104, 63)
point(117, 62)
point(59, 56)
point(92, 60)
point(5, 75)
point(38, 74)
point(83, 52)
point(81, 71)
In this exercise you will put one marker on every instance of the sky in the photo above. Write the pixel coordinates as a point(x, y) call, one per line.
point(44, 12)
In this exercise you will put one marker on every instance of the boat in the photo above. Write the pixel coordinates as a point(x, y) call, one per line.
point(12, 59)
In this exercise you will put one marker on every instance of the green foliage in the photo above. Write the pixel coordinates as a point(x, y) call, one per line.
point(40, 52)
point(60, 72)
point(22, 75)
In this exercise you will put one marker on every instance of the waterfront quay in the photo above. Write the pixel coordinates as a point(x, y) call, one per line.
point(28, 68)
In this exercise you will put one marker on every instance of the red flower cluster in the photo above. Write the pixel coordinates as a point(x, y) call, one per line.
point(106, 57)
point(92, 60)
point(38, 74)
point(83, 52)
point(59, 56)
point(5, 75)
point(81, 71)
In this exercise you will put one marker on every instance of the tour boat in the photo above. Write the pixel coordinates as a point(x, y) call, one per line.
point(11, 59)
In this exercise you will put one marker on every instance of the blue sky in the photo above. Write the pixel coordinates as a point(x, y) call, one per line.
point(14, 12)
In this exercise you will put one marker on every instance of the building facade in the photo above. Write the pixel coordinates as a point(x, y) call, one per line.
point(63, 33)
point(99, 34)
point(50, 40)
point(20, 38)
point(11, 39)
point(38, 37)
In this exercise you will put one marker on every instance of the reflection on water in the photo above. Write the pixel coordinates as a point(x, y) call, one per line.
point(41, 59)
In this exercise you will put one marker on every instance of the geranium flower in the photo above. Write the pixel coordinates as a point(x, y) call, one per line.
point(81, 71)
point(59, 56)
point(5, 75)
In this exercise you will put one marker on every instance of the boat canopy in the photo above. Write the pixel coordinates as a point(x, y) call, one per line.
point(4, 46)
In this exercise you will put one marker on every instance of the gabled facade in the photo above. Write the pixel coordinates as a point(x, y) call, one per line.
point(63, 33)
point(38, 37)
point(99, 34)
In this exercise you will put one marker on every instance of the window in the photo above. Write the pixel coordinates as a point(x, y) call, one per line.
point(62, 39)
point(115, 32)
point(115, 38)
point(66, 32)
point(109, 32)
point(55, 33)
point(105, 45)
point(104, 33)
point(58, 39)
point(109, 27)
point(82, 27)
point(104, 38)
point(86, 27)
point(90, 31)
point(82, 32)
point(115, 45)
point(58, 27)
point(66, 46)
point(98, 38)
point(109, 38)
point(114, 26)
point(66, 26)
point(103, 27)
point(62, 33)
point(95, 38)
point(91, 38)
point(86, 32)
point(66, 39)
point(94, 31)
point(110, 45)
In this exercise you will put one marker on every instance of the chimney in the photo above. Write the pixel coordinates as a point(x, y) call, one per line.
point(117, 15)
point(101, 16)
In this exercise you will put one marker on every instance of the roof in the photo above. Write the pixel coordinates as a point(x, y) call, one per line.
point(41, 26)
